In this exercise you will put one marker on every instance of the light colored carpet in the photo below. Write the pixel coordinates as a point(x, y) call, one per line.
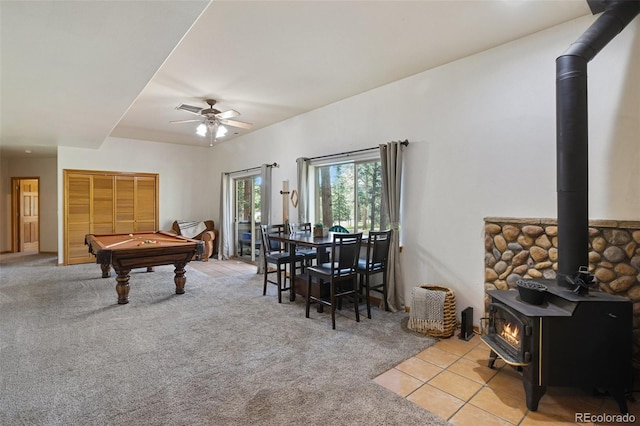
point(220, 354)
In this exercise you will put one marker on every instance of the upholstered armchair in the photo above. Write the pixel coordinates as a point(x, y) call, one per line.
point(207, 236)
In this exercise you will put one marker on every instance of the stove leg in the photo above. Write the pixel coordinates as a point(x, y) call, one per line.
point(492, 358)
point(618, 395)
point(533, 394)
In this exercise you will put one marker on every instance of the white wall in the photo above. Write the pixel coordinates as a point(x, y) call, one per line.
point(482, 143)
point(186, 176)
point(5, 206)
point(482, 133)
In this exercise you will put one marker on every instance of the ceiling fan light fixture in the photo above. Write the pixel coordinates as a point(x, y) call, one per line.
point(213, 128)
point(212, 120)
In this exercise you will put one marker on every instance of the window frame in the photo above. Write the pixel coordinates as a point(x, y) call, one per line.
point(351, 159)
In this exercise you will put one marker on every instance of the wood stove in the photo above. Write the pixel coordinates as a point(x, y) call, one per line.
point(570, 340)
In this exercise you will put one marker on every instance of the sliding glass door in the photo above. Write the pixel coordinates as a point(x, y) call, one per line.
point(247, 216)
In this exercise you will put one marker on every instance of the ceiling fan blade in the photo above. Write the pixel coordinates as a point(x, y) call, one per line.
point(234, 123)
point(185, 121)
point(189, 108)
point(230, 113)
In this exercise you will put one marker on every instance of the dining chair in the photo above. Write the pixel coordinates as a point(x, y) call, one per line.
point(340, 275)
point(276, 253)
point(374, 263)
point(310, 254)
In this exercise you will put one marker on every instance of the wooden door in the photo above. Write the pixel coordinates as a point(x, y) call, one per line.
point(28, 215)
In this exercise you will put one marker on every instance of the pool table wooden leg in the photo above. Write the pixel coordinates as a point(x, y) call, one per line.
point(122, 286)
point(180, 279)
point(106, 270)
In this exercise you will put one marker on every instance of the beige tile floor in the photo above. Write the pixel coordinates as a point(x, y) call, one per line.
point(452, 379)
point(219, 268)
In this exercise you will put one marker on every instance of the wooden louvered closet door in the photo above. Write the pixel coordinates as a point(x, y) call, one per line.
point(78, 217)
point(102, 205)
point(106, 203)
point(125, 220)
point(145, 214)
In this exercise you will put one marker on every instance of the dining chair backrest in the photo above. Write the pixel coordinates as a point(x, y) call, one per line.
point(339, 228)
point(378, 249)
point(345, 251)
point(272, 246)
point(305, 227)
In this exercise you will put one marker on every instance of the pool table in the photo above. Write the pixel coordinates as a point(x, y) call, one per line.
point(142, 249)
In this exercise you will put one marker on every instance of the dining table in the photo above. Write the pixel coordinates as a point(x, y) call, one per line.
point(304, 239)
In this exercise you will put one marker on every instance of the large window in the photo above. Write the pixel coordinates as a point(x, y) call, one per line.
point(349, 195)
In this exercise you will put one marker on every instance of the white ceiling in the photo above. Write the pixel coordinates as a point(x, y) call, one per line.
point(74, 73)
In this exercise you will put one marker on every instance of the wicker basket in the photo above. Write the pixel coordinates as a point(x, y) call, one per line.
point(449, 312)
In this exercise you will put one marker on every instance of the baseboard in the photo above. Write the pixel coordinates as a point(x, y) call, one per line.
point(40, 252)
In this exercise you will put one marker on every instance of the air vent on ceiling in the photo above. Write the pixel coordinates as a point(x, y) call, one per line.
point(190, 108)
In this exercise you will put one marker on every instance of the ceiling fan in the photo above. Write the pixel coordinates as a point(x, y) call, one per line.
point(212, 120)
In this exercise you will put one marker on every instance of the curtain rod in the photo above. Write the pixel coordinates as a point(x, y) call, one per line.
point(405, 143)
point(251, 168)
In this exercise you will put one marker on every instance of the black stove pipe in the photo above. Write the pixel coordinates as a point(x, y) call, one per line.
point(572, 133)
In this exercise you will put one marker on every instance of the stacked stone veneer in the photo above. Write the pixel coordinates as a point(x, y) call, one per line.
point(528, 248)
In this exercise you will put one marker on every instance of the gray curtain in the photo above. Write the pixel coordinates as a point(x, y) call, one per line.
point(265, 207)
point(391, 159)
point(303, 189)
point(226, 218)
